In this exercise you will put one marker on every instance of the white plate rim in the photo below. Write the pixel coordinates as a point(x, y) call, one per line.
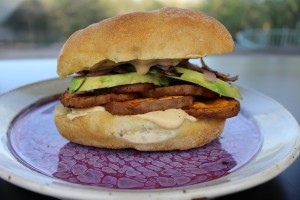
point(281, 154)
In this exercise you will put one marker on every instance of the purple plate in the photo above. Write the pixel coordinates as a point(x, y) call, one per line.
point(35, 142)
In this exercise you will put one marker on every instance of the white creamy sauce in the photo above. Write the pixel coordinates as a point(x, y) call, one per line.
point(72, 113)
point(143, 66)
point(168, 119)
point(61, 110)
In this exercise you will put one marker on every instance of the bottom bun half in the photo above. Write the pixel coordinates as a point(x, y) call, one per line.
point(104, 130)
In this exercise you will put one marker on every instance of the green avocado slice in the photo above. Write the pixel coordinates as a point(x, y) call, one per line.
point(221, 87)
point(75, 84)
point(80, 84)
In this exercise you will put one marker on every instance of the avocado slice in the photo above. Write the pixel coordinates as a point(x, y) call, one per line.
point(75, 84)
point(221, 87)
point(80, 84)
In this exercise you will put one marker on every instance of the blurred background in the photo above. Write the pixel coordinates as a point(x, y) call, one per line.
point(46, 24)
point(266, 34)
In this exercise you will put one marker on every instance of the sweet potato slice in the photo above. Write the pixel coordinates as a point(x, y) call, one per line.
point(218, 108)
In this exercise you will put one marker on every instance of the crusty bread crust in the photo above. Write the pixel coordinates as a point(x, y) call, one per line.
point(104, 130)
point(168, 33)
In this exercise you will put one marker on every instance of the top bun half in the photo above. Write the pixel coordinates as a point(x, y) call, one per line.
point(168, 33)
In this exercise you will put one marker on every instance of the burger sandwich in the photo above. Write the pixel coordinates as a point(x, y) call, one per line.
point(132, 85)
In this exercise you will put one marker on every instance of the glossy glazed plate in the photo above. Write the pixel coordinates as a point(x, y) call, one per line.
point(280, 148)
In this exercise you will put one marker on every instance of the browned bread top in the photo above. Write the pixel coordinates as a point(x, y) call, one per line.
point(168, 33)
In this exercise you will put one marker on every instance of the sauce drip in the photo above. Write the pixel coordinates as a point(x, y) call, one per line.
point(168, 119)
point(143, 66)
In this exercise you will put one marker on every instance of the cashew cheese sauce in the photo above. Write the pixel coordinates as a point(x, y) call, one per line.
point(72, 113)
point(143, 66)
point(168, 119)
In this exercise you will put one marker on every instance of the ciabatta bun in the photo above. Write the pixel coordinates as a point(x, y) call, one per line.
point(168, 33)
